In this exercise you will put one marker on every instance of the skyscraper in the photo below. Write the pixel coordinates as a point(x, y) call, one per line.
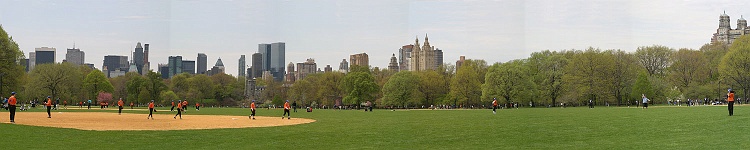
point(424, 57)
point(75, 56)
point(32, 60)
point(146, 64)
point(114, 63)
point(45, 55)
point(175, 65)
point(138, 57)
point(257, 68)
point(164, 71)
point(438, 58)
point(202, 64)
point(274, 55)
point(360, 59)
point(393, 66)
point(305, 68)
point(328, 69)
point(404, 56)
point(344, 66)
point(241, 67)
point(188, 66)
point(217, 69)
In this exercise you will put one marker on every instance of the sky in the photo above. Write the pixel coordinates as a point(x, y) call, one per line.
point(331, 30)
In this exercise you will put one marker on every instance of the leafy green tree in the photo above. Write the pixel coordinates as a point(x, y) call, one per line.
point(689, 67)
point(56, 80)
point(168, 96)
point(359, 87)
point(11, 72)
point(203, 85)
point(466, 86)
point(548, 68)
point(402, 90)
point(433, 85)
point(713, 52)
point(655, 59)
point(622, 73)
point(135, 87)
point(179, 84)
point(329, 89)
point(508, 81)
point(642, 86)
point(735, 65)
point(153, 86)
point(587, 75)
point(95, 83)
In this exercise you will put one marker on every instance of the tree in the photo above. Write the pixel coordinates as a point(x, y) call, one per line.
point(548, 70)
point(359, 87)
point(621, 73)
point(56, 80)
point(329, 90)
point(135, 87)
point(713, 53)
point(466, 86)
point(587, 75)
point(104, 97)
point(11, 71)
point(689, 67)
point(402, 90)
point(509, 81)
point(168, 96)
point(735, 65)
point(179, 84)
point(655, 59)
point(203, 85)
point(642, 87)
point(223, 84)
point(96, 83)
point(153, 86)
point(433, 85)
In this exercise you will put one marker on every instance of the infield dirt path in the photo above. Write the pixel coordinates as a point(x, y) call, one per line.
point(100, 121)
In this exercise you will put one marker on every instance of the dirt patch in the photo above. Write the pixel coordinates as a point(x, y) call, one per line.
point(99, 121)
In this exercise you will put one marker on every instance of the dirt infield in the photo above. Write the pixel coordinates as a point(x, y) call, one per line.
point(99, 121)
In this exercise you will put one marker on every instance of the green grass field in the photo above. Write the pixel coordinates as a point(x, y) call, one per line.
point(702, 127)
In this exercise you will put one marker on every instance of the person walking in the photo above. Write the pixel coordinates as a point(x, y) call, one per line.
point(294, 106)
point(369, 106)
point(65, 104)
point(89, 104)
point(197, 107)
point(645, 101)
point(252, 110)
point(172, 109)
point(179, 110)
point(12, 107)
point(119, 105)
point(494, 105)
point(48, 104)
point(184, 105)
point(286, 110)
point(131, 105)
point(591, 104)
point(730, 102)
point(151, 110)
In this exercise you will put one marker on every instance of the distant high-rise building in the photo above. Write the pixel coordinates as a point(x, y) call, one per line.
point(164, 71)
point(460, 62)
point(217, 69)
point(257, 68)
point(438, 58)
point(115, 63)
point(138, 57)
point(90, 65)
point(241, 67)
point(290, 73)
point(45, 55)
point(305, 68)
point(344, 66)
point(424, 57)
point(32, 60)
point(146, 63)
point(359, 60)
point(404, 56)
point(188, 66)
point(273, 59)
point(25, 64)
point(328, 68)
point(75, 56)
point(202, 63)
point(393, 66)
point(175, 66)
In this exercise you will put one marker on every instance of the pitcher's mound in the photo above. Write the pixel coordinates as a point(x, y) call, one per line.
point(111, 121)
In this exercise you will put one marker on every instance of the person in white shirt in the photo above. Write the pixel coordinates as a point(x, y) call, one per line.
point(645, 101)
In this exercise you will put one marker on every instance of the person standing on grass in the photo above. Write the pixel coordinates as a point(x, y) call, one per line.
point(151, 110)
point(197, 107)
point(294, 106)
point(120, 104)
point(591, 104)
point(131, 105)
point(730, 102)
point(494, 105)
point(172, 109)
point(179, 110)
point(49, 106)
point(252, 110)
point(12, 107)
point(286, 110)
point(65, 104)
point(645, 101)
point(184, 105)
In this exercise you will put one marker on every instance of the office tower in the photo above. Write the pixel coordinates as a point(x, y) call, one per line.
point(241, 67)
point(188, 66)
point(175, 65)
point(202, 63)
point(360, 59)
point(45, 55)
point(138, 57)
point(257, 68)
point(75, 56)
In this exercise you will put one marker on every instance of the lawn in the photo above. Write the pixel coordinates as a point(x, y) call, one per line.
point(702, 127)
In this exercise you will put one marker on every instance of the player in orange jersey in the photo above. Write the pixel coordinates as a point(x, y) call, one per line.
point(179, 110)
point(120, 104)
point(286, 110)
point(151, 110)
point(252, 110)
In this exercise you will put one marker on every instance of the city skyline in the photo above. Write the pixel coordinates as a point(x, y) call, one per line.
point(328, 31)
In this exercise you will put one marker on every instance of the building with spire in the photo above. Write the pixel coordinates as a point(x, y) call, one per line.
point(139, 57)
point(393, 66)
point(725, 33)
point(217, 69)
point(75, 56)
point(423, 57)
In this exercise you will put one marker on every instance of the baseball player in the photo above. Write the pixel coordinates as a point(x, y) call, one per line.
point(286, 110)
point(179, 110)
point(49, 106)
point(151, 110)
point(120, 104)
point(252, 111)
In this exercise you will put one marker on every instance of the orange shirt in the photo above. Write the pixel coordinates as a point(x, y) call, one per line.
point(494, 103)
point(730, 97)
point(65, 102)
point(12, 100)
point(131, 103)
point(120, 103)
point(185, 103)
point(151, 105)
point(252, 105)
point(196, 104)
point(49, 102)
point(173, 103)
point(286, 105)
point(179, 105)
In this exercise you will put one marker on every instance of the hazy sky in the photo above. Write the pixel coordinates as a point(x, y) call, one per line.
point(331, 30)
